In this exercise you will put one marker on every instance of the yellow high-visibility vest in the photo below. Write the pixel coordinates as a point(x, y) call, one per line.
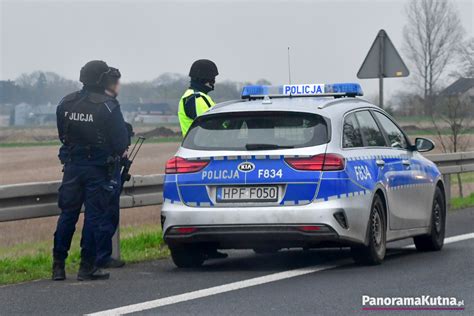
point(192, 104)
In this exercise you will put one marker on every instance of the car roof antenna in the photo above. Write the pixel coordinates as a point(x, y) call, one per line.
point(289, 67)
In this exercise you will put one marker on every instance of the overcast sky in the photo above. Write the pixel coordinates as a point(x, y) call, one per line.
point(247, 39)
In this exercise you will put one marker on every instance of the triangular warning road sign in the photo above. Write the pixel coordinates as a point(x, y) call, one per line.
point(383, 60)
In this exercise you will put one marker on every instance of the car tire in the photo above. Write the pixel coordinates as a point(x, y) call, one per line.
point(374, 252)
point(187, 256)
point(435, 240)
point(265, 250)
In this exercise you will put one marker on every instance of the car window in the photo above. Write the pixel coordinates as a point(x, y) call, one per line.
point(257, 130)
point(351, 133)
point(370, 130)
point(394, 134)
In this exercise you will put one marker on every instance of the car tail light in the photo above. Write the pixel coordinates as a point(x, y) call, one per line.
point(185, 230)
point(181, 165)
point(321, 162)
point(309, 228)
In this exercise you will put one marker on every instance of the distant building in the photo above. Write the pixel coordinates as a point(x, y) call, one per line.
point(6, 114)
point(149, 113)
point(148, 108)
point(156, 119)
point(20, 114)
point(25, 114)
point(463, 88)
point(4, 120)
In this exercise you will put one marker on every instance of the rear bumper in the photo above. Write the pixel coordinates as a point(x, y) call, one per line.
point(248, 227)
point(253, 236)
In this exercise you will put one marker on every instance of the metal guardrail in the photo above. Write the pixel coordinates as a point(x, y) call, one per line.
point(453, 162)
point(450, 164)
point(34, 200)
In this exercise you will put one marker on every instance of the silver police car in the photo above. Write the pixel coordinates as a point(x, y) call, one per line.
point(300, 166)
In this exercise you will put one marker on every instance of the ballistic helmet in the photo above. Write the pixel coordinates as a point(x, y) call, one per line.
point(97, 73)
point(203, 69)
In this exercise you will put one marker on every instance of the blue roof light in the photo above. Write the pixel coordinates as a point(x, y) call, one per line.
point(335, 89)
point(255, 90)
point(349, 88)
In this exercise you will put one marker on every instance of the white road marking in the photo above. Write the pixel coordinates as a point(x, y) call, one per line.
point(239, 285)
point(213, 290)
point(449, 240)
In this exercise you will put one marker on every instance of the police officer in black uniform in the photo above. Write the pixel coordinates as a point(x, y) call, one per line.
point(94, 137)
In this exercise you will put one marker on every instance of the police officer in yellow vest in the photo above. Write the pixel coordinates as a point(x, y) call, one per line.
point(195, 100)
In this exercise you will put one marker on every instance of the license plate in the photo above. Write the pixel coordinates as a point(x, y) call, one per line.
point(247, 194)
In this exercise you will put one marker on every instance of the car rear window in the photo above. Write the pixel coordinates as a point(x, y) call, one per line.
point(257, 131)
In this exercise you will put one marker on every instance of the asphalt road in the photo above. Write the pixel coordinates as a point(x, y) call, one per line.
point(320, 282)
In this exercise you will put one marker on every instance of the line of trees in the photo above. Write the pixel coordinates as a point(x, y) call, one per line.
point(36, 88)
point(47, 87)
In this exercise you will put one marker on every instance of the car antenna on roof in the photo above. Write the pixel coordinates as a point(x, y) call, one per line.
point(289, 67)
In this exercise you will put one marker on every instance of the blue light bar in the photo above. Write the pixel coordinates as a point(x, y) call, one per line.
point(334, 89)
point(347, 88)
point(261, 90)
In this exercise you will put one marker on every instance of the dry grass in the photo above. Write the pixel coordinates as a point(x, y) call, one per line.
point(14, 134)
point(41, 163)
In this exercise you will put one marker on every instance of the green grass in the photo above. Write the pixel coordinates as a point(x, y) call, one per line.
point(142, 244)
point(173, 139)
point(32, 261)
point(154, 140)
point(30, 144)
point(459, 202)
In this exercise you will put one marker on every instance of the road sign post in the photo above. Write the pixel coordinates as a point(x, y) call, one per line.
point(382, 61)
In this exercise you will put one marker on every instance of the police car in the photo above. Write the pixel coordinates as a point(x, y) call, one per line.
point(302, 166)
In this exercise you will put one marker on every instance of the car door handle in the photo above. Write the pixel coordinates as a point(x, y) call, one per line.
point(380, 162)
point(406, 162)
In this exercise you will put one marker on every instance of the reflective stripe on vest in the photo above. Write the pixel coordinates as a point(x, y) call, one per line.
point(187, 114)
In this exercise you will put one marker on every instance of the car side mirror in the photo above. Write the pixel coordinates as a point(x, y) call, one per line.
point(424, 144)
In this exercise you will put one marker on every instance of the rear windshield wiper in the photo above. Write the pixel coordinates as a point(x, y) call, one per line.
point(265, 146)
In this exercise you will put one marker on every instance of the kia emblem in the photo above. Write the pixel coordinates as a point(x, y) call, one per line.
point(246, 167)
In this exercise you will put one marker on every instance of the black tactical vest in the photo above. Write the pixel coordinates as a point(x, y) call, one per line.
point(84, 117)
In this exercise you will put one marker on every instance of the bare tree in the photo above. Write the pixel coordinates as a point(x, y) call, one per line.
point(466, 59)
point(431, 36)
point(453, 115)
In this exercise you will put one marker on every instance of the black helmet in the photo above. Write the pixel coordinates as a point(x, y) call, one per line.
point(203, 69)
point(97, 73)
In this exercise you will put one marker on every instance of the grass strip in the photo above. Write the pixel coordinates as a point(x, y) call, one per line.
point(32, 261)
point(462, 202)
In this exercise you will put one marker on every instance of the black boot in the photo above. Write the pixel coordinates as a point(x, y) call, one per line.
point(114, 263)
point(88, 271)
point(59, 273)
